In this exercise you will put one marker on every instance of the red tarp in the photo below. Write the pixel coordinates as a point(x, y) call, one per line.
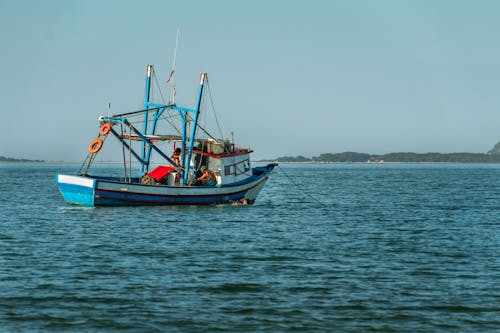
point(160, 171)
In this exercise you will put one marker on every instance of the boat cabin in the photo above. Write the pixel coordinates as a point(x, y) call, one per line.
point(229, 163)
point(226, 162)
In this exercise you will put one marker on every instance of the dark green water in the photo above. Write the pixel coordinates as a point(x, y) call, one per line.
point(402, 248)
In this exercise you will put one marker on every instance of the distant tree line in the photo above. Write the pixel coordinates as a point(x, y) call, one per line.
point(9, 159)
point(396, 157)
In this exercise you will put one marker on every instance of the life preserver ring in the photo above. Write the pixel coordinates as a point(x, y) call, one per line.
point(105, 129)
point(95, 145)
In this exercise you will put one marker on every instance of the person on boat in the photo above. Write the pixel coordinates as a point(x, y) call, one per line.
point(241, 203)
point(176, 156)
point(207, 177)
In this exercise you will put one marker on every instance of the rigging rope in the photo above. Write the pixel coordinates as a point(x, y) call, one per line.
point(158, 85)
point(167, 119)
point(163, 101)
point(213, 108)
point(300, 188)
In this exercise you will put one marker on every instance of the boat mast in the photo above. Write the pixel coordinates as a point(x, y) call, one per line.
point(171, 99)
point(187, 163)
point(147, 96)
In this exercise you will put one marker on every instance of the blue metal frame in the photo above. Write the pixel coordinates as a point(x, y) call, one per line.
point(145, 157)
point(195, 125)
point(147, 145)
point(160, 108)
point(127, 146)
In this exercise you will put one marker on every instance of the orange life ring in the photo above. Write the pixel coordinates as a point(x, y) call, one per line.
point(105, 129)
point(95, 145)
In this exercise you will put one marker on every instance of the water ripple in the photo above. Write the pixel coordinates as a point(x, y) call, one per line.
point(392, 248)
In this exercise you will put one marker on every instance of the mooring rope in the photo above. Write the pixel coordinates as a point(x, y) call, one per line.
point(300, 188)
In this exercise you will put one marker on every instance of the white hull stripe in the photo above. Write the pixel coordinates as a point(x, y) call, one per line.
point(75, 180)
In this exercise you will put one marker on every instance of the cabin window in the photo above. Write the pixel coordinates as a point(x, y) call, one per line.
point(228, 170)
point(237, 169)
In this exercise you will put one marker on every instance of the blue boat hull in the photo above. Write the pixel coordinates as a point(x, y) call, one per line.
point(94, 191)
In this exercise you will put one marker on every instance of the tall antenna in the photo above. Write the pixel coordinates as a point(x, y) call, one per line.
point(170, 79)
point(176, 43)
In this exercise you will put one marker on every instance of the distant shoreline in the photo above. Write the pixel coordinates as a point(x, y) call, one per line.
point(405, 157)
point(23, 160)
point(345, 157)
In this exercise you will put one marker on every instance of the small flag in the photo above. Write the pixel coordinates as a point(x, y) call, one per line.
point(170, 76)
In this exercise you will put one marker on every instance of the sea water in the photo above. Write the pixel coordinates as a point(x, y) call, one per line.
point(326, 247)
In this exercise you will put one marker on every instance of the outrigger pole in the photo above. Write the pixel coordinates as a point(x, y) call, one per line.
point(145, 156)
point(203, 75)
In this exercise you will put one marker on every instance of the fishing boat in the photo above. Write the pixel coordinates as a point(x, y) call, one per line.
point(203, 170)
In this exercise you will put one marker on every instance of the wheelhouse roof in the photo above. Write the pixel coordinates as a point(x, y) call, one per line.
point(236, 152)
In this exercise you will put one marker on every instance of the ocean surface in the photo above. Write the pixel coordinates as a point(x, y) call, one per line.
point(325, 248)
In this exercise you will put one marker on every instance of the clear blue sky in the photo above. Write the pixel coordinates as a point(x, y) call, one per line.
point(288, 77)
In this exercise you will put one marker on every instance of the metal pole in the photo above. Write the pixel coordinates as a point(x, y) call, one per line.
point(149, 69)
point(193, 127)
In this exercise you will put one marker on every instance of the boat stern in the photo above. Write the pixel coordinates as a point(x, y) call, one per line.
point(76, 190)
